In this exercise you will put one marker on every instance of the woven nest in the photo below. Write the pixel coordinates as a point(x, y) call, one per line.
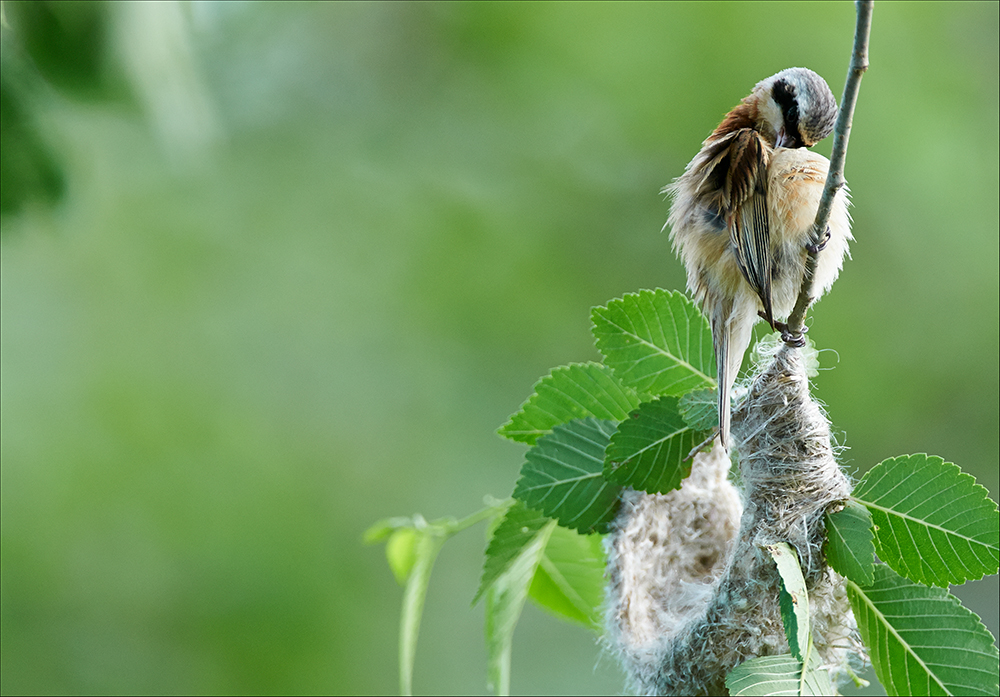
point(692, 592)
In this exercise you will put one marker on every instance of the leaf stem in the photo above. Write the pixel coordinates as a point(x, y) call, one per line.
point(494, 507)
point(432, 536)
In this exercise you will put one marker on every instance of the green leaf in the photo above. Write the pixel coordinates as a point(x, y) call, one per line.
point(778, 675)
point(384, 528)
point(849, 548)
point(657, 342)
point(569, 581)
point(700, 409)
point(794, 600)
point(518, 528)
point(504, 602)
point(570, 392)
point(922, 641)
point(765, 675)
point(816, 680)
point(649, 450)
point(401, 552)
point(428, 544)
point(562, 476)
point(413, 545)
point(933, 523)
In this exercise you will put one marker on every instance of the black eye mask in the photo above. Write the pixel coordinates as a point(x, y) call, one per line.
point(784, 97)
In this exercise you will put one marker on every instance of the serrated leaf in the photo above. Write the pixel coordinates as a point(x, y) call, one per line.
point(700, 409)
point(570, 392)
point(501, 508)
point(933, 523)
point(504, 602)
point(778, 675)
point(650, 448)
point(569, 581)
point(562, 476)
point(657, 342)
point(517, 529)
point(428, 544)
point(921, 640)
point(849, 547)
point(794, 599)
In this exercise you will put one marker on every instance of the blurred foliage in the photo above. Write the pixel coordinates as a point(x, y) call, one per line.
point(28, 170)
point(56, 45)
point(65, 41)
point(297, 281)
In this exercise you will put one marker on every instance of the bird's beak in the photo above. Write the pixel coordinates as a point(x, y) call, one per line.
point(782, 140)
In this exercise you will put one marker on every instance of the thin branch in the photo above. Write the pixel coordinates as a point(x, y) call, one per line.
point(680, 623)
point(835, 179)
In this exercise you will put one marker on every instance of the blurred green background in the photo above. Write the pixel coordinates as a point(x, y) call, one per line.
point(271, 272)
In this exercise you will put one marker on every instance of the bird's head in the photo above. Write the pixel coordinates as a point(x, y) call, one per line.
point(795, 108)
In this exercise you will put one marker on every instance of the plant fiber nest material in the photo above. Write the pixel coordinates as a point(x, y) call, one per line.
point(692, 590)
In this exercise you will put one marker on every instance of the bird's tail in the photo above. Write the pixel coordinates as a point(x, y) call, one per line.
point(732, 326)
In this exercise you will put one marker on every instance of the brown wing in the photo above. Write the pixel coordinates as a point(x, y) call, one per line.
point(746, 216)
point(750, 236)
point(733, 185)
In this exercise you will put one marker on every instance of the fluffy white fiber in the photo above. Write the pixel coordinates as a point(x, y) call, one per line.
point(692, 591)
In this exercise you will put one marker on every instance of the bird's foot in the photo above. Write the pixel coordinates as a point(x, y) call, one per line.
point(701, 446)
point(821, 245)
point(793, 339)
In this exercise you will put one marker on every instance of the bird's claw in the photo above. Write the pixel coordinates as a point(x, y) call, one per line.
point(701, 446)
point(794, 339)
point(821, 245)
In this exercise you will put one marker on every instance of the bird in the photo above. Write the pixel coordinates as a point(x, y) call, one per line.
point(742, 213)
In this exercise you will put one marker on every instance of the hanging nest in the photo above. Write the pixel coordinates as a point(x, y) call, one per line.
point(692, 590)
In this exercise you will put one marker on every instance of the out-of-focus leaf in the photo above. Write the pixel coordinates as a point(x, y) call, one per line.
point(518, 528)
point(504, 602)
point(428, 544)
point(569, 581)
point(401, 552)
point(382, 529)
point(412, 546)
